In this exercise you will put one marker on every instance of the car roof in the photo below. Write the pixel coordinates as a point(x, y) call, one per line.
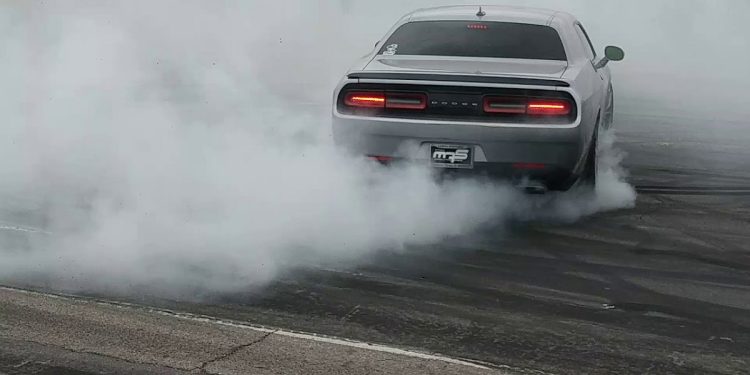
point(493, 13)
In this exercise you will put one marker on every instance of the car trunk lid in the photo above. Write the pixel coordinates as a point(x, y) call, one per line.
point(548, 69)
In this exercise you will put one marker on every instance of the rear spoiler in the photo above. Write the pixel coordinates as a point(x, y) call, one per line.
point(459, 78)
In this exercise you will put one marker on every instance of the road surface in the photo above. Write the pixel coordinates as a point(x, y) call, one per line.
point(661, 288)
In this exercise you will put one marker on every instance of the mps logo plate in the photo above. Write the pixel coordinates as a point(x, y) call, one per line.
point(456, 156)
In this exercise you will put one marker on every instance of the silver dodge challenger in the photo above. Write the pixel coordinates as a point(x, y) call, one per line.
point(507, 92)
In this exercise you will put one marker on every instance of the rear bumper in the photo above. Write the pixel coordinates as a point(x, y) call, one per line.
point(497, 148)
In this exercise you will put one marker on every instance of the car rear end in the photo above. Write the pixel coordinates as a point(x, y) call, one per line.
point(466, 97)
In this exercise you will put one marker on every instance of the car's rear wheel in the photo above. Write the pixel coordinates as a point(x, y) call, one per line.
point(588, 177)
point(609, 112)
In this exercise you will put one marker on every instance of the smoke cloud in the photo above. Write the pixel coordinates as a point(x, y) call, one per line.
point(184, 147)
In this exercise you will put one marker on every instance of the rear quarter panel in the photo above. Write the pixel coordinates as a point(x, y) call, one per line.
point(586, 83)
point(583, 78)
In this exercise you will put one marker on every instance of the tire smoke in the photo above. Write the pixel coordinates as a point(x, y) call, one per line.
point(154, 155)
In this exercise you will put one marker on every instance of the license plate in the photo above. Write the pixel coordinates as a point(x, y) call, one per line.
point(452, 156)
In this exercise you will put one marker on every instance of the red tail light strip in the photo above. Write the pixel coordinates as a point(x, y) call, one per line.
point(365, 99)
point(548, 107)
point(375, 99)
point(532, 107)
point(493, 105)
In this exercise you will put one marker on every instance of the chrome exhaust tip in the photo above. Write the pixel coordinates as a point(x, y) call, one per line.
point(533, 187)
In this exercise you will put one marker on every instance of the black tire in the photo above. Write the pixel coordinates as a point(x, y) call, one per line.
point(609, 111)
point(588, 176)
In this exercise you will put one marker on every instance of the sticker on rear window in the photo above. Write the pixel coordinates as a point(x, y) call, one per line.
point(390, 50)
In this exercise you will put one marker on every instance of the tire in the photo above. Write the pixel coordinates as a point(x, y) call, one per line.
point(609, 111)
point(588, 176)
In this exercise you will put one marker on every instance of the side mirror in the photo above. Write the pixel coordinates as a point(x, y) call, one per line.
point(614, 53)
point(611, 53)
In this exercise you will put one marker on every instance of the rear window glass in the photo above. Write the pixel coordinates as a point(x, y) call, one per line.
point(476, 39)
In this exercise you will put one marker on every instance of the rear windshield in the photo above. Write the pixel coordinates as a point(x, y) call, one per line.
point(476, 39)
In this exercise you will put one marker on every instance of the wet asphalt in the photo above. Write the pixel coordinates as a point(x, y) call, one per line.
point(660, 288)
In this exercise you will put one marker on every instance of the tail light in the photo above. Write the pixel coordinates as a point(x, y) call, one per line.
point(529, 166)
point(523, 106)
point(547, 107)
point(381, 159)
point(516, 106)
point(390, 100)
point(406, 101)
point(365, 99)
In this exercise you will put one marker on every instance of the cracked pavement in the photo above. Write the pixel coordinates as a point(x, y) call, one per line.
point(46, 334)
point(234, 351)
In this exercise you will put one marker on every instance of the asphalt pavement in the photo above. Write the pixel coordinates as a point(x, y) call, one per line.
point(660, 288)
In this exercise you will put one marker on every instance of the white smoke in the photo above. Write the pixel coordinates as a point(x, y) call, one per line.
point(183, 147)
point(611, 191)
